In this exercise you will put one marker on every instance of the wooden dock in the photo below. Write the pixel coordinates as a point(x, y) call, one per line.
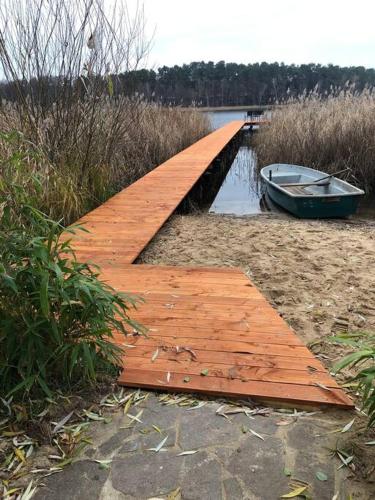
point(210, 329)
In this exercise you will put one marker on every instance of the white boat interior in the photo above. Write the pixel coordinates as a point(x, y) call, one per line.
point(296, 180)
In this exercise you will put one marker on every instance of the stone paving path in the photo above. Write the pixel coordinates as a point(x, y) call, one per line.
point(230, 463)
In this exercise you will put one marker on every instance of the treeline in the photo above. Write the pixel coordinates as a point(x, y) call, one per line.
point(212, 84)
point(231, 84)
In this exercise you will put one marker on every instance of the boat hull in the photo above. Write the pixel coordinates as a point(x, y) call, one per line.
point(315, 207)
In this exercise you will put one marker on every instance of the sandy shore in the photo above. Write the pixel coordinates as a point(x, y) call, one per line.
point(319, 275)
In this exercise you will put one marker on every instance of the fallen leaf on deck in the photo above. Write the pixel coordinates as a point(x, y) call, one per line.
point(155, 355)
point(204, 372)
point(187, 379)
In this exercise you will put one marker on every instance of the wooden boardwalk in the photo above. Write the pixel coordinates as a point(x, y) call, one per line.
point(123, 226)
point(210, 329)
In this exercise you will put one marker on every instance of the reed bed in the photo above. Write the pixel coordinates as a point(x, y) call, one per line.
point(84, 166)
point(328, 133)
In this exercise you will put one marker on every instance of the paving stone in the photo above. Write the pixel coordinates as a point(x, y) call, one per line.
point(130, 446)
point(233, 490)
point(306, 431)
point(154, 438)
point(203, 427)
point(260, 424)
point(163, 417)
point(146, 475)
point(202, 481)
point(260, 465)
point(307, 464)
point(83, 479)
point(115, 442)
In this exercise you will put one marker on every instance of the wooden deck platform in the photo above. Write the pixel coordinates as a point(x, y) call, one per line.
point(210, 330)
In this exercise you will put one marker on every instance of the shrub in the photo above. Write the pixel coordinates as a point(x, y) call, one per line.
point(328, 133)
point(363, 357)
point(56, 317)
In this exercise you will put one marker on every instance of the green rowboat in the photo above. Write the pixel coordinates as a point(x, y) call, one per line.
point(309, 193)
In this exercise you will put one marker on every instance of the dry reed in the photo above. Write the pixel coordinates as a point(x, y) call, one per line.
point(67, 189)
point(328, 133)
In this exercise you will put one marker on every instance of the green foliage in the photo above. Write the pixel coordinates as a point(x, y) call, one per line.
point(56, 317)
point(363, 359)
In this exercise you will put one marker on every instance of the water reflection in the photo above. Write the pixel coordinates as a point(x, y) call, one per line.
point(241, 191)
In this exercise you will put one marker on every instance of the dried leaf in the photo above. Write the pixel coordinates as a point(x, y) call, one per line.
point(136, 417)
point(190, 452)
point(322, 386)
point(175, 494)
point(256, 434)
point(287, 472)
point(62, 422)
point(157, 429)
point(322, 476)
point(29, 492)
point(187, 379)
point(204, 372)
point(93, 416)
point(295, 493)
point(20, 455)
point(159, 446)
point(348, 426)
point(104, 464)
point(155, 355)
point(195, 407)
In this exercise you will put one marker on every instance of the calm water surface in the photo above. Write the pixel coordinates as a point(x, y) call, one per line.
point(240, 193)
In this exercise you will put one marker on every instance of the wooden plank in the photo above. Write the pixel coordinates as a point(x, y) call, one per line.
point(293, 393)
point(218, 357)
point(230, 372)
point(223, 346)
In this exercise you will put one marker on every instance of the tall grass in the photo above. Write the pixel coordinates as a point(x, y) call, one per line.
point(87, 168)
point(328, 133)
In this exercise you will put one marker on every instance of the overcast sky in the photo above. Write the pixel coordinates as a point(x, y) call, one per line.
point(290, 31)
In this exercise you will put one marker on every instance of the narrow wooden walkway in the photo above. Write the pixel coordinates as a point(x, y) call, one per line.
point(210, 330)
point(123, 226)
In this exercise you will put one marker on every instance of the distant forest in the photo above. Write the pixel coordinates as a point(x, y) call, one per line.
point(213, 84)
point(231, 84)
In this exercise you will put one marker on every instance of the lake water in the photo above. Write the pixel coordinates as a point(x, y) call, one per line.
point(220, 118)
point(240, 193)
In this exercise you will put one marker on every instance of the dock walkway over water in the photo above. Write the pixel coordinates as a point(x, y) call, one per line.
point(210, 329)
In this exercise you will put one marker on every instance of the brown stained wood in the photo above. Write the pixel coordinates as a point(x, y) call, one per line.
point(238, 347)
point(231, 372)
point(292, 393)
point(219, 358)
point(198, 318)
